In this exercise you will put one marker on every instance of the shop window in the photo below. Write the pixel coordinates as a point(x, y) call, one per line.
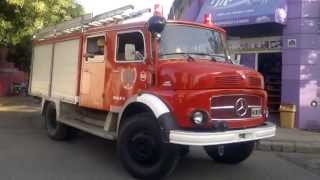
point(130, 47)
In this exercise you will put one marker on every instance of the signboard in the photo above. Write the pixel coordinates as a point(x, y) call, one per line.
point(255, 44)
point(244, 12)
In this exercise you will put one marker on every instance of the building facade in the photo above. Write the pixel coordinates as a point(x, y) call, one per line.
point(279, 38)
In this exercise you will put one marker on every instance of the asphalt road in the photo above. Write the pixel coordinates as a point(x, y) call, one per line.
point(26, 153)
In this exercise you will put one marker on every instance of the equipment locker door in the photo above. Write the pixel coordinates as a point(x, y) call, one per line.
point(93, 71)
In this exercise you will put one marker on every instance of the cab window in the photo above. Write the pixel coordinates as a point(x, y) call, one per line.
point(95, 48)
point(130, 47)
point(95, 45)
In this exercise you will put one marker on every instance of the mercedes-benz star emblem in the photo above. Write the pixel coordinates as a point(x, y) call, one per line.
point(241, 107)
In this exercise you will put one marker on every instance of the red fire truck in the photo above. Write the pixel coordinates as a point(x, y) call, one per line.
point(156, 87)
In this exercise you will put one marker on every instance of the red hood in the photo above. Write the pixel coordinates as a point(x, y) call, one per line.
point(192, 75)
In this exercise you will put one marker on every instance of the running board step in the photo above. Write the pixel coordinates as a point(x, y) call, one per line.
point(90, 121)
point(92, 129)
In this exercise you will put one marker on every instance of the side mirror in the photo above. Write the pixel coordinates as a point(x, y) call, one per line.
point(130, 52)
point(237, 59)
point(156, 24)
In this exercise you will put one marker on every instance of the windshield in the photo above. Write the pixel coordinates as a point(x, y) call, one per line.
point(192, 42)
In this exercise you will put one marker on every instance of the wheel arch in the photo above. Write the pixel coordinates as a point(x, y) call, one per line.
point(44, 105)
point(140, 104)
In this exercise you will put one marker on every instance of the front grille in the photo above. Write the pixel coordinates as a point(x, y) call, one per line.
point(254, 82)
point(229, 80)
point(223, 107)
point(236, 81)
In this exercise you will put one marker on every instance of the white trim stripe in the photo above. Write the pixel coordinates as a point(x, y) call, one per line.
point(215, 138)
point(222, 107)
point(157, 106)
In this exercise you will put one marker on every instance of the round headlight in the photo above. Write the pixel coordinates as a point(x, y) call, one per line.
point(198, 117)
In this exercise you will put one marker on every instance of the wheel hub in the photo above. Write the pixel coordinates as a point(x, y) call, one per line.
point(221, 150)
point(143, 148)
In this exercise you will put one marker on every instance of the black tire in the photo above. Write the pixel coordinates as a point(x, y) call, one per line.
point(184, 151)
point(55, 129)
point(230, 153)
point(142, 151)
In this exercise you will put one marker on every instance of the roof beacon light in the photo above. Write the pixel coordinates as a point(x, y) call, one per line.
point(158, 10)
point(208, 19)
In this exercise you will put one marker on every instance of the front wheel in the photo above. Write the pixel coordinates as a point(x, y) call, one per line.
point(142, 150)
point(230, 153)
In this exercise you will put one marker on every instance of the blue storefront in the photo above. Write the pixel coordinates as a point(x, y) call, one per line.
point(279, 38)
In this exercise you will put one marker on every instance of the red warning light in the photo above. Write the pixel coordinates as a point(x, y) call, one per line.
point(207, 19)
point(158, 10)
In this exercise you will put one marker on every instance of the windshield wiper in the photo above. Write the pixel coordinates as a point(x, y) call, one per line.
point(213, 56)
point(185, 54)
point(217, 55)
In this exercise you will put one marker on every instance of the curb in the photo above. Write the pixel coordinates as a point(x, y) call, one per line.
point(288, 146)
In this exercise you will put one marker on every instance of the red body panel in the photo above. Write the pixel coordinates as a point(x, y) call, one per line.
point(205, 74)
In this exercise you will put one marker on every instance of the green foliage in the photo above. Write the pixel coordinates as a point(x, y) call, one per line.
point(19, 19)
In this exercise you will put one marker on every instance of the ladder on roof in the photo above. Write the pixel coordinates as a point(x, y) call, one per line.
point(86, 21)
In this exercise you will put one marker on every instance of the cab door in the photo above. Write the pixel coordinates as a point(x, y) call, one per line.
point(93, 71)
point(130, 71)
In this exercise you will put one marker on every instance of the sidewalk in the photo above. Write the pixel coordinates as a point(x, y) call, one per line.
point(292, 140)
point(19, 104)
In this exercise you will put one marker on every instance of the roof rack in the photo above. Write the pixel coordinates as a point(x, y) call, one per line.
point(86, 21)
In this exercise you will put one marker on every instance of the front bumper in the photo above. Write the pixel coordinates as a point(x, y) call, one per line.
point(215, 138)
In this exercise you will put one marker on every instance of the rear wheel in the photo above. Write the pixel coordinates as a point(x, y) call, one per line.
point(230, 153)
point(142, 150)
point(55, 129)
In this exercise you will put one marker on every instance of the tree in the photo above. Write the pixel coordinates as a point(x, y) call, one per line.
point(21, 18)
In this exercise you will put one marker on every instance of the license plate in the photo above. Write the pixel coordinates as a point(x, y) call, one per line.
point(256, 112)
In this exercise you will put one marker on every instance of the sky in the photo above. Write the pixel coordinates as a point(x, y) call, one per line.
point(100, 6)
